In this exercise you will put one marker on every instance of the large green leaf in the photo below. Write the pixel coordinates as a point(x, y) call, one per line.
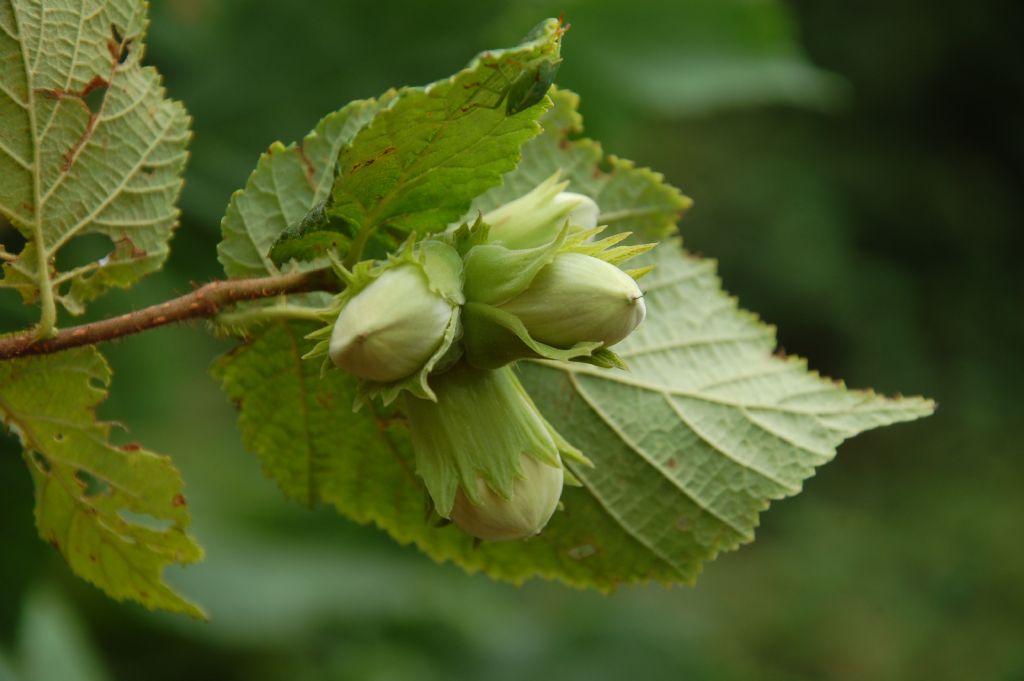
point(419, 163)
point(690, 446)
point(708, 425)
point(412, 161)
point(116, 514)
point(89, 144)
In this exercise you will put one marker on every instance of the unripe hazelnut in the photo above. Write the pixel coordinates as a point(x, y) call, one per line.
point(584, 212)
point(533, 502)
point(579, 298)
point(387, 331)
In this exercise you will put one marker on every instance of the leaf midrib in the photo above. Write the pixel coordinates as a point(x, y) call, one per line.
point(48, 316)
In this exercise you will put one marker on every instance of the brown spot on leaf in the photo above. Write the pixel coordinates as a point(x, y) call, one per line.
point(307, 164)
point(125, 246)
point(178, 500)
point(131, 447)
point(71, 154)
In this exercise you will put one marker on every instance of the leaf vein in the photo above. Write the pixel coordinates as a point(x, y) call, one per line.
point(614, 427)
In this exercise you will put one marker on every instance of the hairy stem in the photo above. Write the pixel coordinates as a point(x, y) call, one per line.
point(246, 318)
point(205, 301)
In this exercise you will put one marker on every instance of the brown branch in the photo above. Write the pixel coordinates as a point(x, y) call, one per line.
point(205, 301)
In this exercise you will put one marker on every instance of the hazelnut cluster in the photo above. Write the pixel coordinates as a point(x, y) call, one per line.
point(440, 324)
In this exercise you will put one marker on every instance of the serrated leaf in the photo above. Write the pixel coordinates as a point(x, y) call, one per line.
point(287, 182)
point(631, 199)
point(688, 447)
point(421, 162)
point(413, 159)
point(682, 471)
point(89, 144)
point(117, 515)
point(708, 425)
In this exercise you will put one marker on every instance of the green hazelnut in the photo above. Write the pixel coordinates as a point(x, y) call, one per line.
point(579, 298)
point(534, 500)
point(391, 328)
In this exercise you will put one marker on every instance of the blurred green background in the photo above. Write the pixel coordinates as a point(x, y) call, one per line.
point(856, 169)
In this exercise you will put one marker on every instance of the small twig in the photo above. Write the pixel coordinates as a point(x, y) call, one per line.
point(206, 301)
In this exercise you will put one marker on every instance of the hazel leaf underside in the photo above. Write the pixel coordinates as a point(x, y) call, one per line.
point(116, 514)
point(688, 447)
point(708, 425)
point(89, 144)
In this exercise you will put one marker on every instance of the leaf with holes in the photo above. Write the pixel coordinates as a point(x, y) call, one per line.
point(116, 514)
point(89, 144)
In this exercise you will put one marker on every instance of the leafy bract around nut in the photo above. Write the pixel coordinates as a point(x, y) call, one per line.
point(397, 320)
point(391, 328)
point(538, 285)
point(536, 218)
point(478, 431)
point(534, 499)
point(579, 297)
